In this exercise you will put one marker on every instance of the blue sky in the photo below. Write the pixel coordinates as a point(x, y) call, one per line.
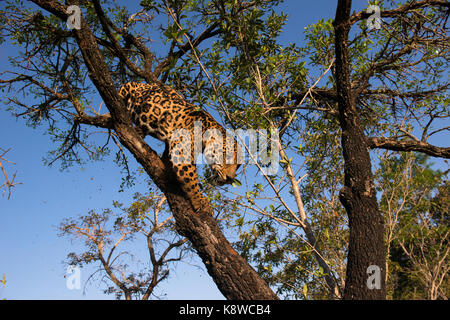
point(31, 253)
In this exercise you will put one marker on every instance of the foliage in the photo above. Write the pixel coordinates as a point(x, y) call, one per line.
point(144, 226)
point(415, 204)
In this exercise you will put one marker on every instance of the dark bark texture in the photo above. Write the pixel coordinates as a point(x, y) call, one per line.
point(366, 242)
point(419, 146)
point(234, 277)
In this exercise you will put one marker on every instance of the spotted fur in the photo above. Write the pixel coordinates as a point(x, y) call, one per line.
point(161, 112)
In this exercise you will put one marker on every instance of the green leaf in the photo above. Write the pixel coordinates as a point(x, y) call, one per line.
point(236, 183)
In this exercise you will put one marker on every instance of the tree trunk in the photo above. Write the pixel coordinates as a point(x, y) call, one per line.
point(366, 253)
point(234, 277)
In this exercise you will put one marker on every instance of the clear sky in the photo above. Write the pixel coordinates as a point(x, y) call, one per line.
point(31, 253)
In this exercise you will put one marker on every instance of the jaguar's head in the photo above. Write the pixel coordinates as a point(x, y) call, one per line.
point(224, 173)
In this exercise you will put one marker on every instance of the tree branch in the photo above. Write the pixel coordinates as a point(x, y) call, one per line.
point(413, 5)
point(9, 183)
point(405, 94)
point(148, 56)
point(209, 32)
point(410, 145)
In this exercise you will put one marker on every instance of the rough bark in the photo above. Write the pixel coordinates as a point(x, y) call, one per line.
point(234, 277)
point(366, 244)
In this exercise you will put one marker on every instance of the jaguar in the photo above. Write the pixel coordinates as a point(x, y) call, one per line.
point(161, 112)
